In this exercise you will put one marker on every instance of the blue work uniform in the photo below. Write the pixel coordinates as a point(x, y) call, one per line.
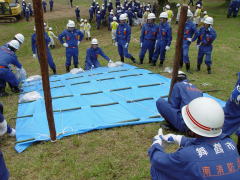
point(189, 31)
point(24, 5)
point(77, 13)
point(4, 174)
point(91, 13)
point(27, 14)
point(123, 36)
point(99, 20)
point(164, 38)
point(110, 6)
point(130, 17)
point(233, 8)
point(232, 111)
point(110, 20)
point(51, 2)
point(202, 158)
point(44, 5)
point(205, 37)
point(92, 58)
point(148, 39)
point(49, 55)
point(182, 94)
point(30, 9)
point(71, 38)
point(8, 57)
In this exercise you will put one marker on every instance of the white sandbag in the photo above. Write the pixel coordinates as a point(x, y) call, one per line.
point(112, 64)
point(168, 70)
point(76, 70)
point(31, 96)
point(34, 78)
point(119, 63)
point(21, 74)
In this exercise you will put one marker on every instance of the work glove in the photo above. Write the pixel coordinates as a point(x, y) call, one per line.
point(141, 45)
point(65, 45)
point(198, 46)
point(116, 44)
point(92, 67)
point(172, 138)
point(189, 39)
point(158, 138)
point(13, 133)
point(167, 48)
point(34, 56)
point(126, 45)
point(79, 42)
point(110, 61)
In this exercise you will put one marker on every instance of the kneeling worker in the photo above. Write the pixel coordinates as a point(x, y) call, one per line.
point(183, 92)
point(92, 56)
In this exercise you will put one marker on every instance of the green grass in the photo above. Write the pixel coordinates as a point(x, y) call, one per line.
point(119, 153)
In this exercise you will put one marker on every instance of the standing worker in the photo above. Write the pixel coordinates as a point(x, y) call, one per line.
point(206, 37)
point(197, 15)
point(52, 36)
point(27, 14)
point(7, 57)
point(92, 56)
point(87, 30)
point(72, 38)
point(91, 13)
point(49, 55)
point(77, 13)
point(170, 13)
point(110, 20)
point(51, 3)
point(233, 8)
point(82, 26)
point(44, 5)
point(123, 37)
point(164, 39)
point(209, 154)
point(98, 19)
point(189, 31)
point(71, 3)
point(148, 38)
point(114, 26)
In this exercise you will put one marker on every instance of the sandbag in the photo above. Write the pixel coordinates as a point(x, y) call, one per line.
point(76, 70)
point(31, 96)
point(34, 78)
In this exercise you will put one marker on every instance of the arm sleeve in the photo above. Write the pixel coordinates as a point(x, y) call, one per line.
point(128, 34)
point(16, 62)
point(169, 40)
point(60, 37)
point(81, 35)
point(196, 32)
point(33, 45)
point(142, 34)
point(88, 58)
point(175, 99)
point(104, 55)
point(186, 140)
point(116, 39)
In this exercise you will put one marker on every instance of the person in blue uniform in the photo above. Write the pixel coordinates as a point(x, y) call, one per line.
point(233, 8)
point(8, 57)
point(49, 55)
point(164, 39)
point(51, 3)
point(72, 38)
point(77, 13)
point(92, 56)
point(4, 173)
point(91, 13)
point(30, 9)
point(123, 37)
point(98, 19)
point(183, 92)
point(189, 31)
point(148, 38)
point(110, 20)
point(206, 36)
point(44, 5)
point(130, 16)
point(208, 154)
point(27, 14)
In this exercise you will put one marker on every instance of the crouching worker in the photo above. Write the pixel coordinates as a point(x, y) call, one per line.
point(183, 92)
point(92, 56)
point(4, 174)
point(4, 127)
point(209, 154)
point(7, 57)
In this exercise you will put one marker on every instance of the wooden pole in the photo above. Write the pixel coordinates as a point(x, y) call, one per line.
point(178, 52)
point(41, 49)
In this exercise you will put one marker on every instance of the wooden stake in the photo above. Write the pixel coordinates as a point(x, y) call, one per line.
point(41, 49)
point(178, 52)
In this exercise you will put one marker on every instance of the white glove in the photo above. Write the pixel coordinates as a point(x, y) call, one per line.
point(92, 66)
point(158, 138)
point(140, 44)
point(110, 61)
point(34, 56)
point(116, 44)
point(189, 39)
point(13, 133)
point(197, 47)
point(126, 45)
point(65, 45)
point(79, 42)
point(172, 138)
point(167, 48)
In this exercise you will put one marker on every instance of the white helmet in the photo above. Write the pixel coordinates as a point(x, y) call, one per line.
point(181, 74)
point(85, 20)
point(19, 37)
point(50, 29)
point(189, 13)
point(147, 9)
point(204, 116)
point(123, 17)
point(114, 18)
point(94, 41)
point(71, 24)
point(111, 12)
point(163, 15)
point(198, 5)
point(205, 12)
point(14, 43)
point(178, 5)
point(208, 20)
point(167, 6)
point(151, 16)
point(82, 20)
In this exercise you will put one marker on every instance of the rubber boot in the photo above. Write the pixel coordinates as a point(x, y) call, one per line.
point(209, 70)
point(153, 63)
point(161, 63)
point(198, 67)
point(75, 65)
point(67, 69)
point(188, 68)
point(133, 59)
point(15, 89)
point(122, 59)
point(3, 92)
point(141, 61)
point(54, 71)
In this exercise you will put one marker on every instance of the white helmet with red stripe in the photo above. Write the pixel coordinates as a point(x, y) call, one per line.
point(204, 116)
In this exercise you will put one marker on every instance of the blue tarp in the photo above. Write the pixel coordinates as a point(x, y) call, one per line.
point(97, 99)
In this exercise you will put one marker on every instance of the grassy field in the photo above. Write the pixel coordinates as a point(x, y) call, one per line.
point(119, 153)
